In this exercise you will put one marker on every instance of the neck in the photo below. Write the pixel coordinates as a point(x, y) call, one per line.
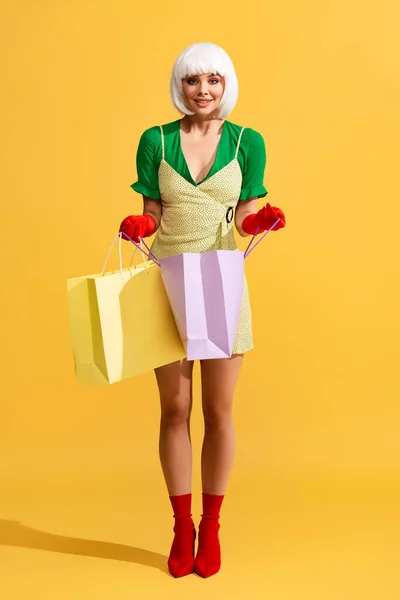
point(201, 124)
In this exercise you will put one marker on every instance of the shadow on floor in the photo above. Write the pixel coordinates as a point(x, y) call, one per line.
point(17, 535)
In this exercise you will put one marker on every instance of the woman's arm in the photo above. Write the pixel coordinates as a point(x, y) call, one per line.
point(243, 209)
point(153, 208)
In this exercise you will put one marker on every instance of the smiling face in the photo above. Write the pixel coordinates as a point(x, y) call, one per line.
point(203, 92)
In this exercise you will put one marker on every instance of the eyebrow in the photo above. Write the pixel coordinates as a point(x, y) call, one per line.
point(211, 75)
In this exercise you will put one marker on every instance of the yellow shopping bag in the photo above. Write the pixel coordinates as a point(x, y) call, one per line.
point(121, 323)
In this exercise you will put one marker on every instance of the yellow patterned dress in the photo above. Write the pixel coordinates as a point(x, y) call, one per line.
point(199, 217)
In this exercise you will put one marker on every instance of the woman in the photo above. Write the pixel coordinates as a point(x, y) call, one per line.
point(199, 176)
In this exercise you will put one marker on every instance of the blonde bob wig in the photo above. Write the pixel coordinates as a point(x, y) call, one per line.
point(201, 58)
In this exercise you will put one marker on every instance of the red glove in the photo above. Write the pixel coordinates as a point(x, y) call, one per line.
point(138, 226)
point(264, 219)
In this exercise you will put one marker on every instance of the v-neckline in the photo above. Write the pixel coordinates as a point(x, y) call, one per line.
point(206, 178)
point(210, 172)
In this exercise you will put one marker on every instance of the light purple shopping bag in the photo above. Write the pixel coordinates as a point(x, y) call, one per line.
point(205, 293)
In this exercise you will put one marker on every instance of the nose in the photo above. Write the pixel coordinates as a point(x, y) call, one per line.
point(203, 88)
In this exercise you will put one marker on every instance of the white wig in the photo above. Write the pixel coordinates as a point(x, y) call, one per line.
point(204, 58)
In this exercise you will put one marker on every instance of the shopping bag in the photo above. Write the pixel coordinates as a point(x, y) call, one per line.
point(121, 324)
point(205, 292)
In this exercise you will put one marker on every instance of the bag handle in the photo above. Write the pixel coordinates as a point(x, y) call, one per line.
point(137, 247)
point(149, 254)
point(133, 256)
point(250, 249)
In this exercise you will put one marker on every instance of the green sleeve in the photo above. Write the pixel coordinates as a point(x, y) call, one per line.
point(256, 160)
point(147, 164)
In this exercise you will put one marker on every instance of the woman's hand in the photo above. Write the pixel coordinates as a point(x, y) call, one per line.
point(264, 219)
point(136, 226)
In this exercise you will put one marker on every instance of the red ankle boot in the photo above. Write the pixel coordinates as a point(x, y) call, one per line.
point(181, 558)
point(208, 558)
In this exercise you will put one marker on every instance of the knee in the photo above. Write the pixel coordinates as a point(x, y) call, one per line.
point(175, 411)
point(218, 413)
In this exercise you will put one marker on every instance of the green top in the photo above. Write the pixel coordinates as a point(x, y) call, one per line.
point(251, 157)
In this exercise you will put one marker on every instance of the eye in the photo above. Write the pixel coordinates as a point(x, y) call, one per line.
point(191, 81)
point(214, 80)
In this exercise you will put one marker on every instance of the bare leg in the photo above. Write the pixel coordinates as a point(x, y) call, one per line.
point(219, 378)
point(175, 450)
point(175, 386)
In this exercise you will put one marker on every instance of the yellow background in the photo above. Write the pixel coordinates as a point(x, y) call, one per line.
point(312, 506)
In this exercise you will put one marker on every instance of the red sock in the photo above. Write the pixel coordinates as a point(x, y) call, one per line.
point(208, 558)
point(181, 558)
